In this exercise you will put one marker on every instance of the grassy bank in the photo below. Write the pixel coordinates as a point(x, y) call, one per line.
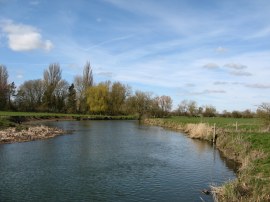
point(59, 115)
point(14, 119)
point(243, 140)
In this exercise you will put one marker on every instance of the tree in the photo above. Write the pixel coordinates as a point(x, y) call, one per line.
point(165, 104)
point(236, 114)
point(11, 94)
point(183, 108)
point(87, 75)
point(118, 95)
point(60, 96)
point(98, 98)
point(263, 112)
point(161, 106)
point(140, 103)
point(30, 94)
point(192, 108)
point(81, 84)
point(226, 114)
point(155, 109)
point(3, 87)
point(71, 100)
point(81, 94)
point(247, 114)
point(52, 77)
point(209, 111)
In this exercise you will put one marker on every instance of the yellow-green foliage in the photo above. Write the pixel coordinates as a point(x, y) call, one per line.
point(97, 98)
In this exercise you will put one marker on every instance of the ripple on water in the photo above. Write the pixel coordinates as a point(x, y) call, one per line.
point(110, 161)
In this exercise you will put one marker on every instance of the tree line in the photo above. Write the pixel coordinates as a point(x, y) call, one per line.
point(52, 93)
point(191, 108)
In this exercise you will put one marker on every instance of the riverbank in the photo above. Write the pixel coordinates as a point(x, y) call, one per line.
point(22, 116)
point(28, 133)
point(17, 126)
point(242, 140)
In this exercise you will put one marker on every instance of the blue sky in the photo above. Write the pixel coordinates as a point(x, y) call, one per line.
point(211, 51)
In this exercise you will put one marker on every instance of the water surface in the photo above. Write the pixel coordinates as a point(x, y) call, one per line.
point(110, 161)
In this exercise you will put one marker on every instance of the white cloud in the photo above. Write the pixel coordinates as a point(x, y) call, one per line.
point(24, 37)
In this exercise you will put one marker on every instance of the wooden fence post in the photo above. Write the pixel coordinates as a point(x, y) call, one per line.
point(214, 134)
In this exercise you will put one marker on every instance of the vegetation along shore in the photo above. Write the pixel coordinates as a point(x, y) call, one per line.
point(244, 140)
point(18, 127)
point(241, 135)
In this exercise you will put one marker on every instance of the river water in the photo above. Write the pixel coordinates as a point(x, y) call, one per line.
point(111, 161)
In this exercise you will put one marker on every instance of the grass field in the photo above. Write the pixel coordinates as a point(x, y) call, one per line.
point(247, 124)
point(245, 140)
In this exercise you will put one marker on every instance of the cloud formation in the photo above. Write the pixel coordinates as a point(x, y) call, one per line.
point(24, 37)
point(211, 66)
point(240, 73)
point(209, 92)
point(105, 74)
point(220, 83)
point(258, 86)
point(235, 66)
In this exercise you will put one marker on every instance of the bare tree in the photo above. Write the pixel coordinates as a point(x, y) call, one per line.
point(192, 108)
point(80, 93)
point(82, 83)
point(87, 75)
point(183, 108)
point(3, 86)
point(60, 96)
point(165, 103)
point(140, 103)
point(209, 111)
point(52, 75)
point(30, 93)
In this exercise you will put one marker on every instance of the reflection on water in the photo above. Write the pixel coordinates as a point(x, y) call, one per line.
point(110, 161)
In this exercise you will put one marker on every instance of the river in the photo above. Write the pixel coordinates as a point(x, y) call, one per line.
point(111, 161)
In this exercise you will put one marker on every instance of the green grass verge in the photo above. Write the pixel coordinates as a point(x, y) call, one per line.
point(247, 124)
point(44, 114)
point(10, 119)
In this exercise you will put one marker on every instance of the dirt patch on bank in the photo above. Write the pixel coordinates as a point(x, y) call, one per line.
point(29, 133)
